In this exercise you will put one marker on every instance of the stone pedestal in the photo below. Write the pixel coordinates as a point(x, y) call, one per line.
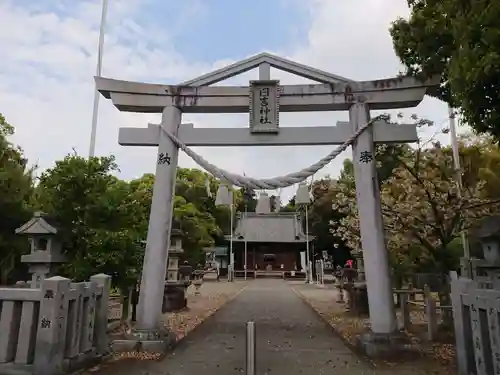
point(174, 297)
point(360, 265)
point(358, 299)
point(384, 346)
point(349, 274)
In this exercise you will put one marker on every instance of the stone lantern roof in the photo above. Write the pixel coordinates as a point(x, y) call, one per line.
point(43, 235)
point(489, 228)
point(39, 224)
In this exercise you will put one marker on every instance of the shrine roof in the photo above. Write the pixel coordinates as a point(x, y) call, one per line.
point(280, 227)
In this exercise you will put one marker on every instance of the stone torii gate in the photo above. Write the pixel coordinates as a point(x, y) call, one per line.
point(264, 100)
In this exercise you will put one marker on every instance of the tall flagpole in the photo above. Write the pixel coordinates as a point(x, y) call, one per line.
point(100, 51)
point(246, 244)
point(231, 224)
point(308, 254)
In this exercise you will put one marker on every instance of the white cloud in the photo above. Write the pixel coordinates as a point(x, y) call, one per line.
point(46, 85)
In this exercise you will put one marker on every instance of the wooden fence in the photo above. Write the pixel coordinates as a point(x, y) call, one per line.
point(428, 304)
point(476, 313)
point(54, 329)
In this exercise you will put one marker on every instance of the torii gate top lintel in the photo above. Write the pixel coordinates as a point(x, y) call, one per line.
point(277, 62)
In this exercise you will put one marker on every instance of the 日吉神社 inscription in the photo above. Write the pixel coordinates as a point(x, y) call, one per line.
point(264, 106)
point(264, 99)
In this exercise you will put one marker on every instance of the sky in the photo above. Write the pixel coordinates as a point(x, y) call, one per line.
point(49, 53)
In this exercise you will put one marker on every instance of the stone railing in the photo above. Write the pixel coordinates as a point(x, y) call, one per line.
point(54, 329)
point(477, 333)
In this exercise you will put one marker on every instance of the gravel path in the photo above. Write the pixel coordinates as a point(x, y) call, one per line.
point(291, 339)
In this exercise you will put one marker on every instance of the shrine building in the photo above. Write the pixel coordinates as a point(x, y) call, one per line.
point(275, 245)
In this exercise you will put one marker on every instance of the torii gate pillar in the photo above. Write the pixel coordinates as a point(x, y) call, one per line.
point(375, 255)
point(160, 223)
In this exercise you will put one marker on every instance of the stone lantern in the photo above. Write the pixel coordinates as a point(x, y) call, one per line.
point(174, 293)
point(174, 253)
point(46, 248)
point(360, 266)
point(488, 268)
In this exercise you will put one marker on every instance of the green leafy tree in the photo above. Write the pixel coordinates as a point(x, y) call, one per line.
point(246, 200)
point(459, 41)
point(16, 187)
point(321, 215)
point(100, 220)
point(195, 213)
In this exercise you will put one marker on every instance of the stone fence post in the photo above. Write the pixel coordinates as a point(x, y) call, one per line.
point(405, 310)
point(431, 313)
point(101, 313)
point(51, 334)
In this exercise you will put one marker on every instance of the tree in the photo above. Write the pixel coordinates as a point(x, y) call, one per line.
point(101, 222)
point(246, 200)
point(422, 211)
point(480, 158)
point(195, 213)
point(16, 186)
point(290, 206)
point(459, 41)
point(321, 214)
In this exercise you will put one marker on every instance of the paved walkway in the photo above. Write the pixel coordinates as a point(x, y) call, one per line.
point(291, 339)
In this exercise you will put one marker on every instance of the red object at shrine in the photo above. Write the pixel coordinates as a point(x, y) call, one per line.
point(349, 263)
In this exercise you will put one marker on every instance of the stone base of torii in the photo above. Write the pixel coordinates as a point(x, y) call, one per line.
point(269, 98)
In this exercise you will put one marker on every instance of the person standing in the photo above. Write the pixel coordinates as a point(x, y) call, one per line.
point(217, 268)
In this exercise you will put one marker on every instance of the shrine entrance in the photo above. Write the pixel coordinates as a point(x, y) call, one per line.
point(264, 99)
point(269, 244)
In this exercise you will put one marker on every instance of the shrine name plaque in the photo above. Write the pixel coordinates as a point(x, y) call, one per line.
point(264, 106)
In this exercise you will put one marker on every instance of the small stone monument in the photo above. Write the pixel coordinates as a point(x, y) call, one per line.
point(198, 275)
point(46, 249)
point(360, 266)
point(174, 253)
point(174, 294)
point(357, 293)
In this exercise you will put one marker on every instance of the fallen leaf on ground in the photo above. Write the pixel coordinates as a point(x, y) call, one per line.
point(437, 357)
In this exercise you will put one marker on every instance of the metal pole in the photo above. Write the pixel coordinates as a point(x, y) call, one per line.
point(100, 52)
point(456, 162)
point(246, 248)
point(307, 248)
point(308, 257)
point(251, 345)
point(231, 257)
